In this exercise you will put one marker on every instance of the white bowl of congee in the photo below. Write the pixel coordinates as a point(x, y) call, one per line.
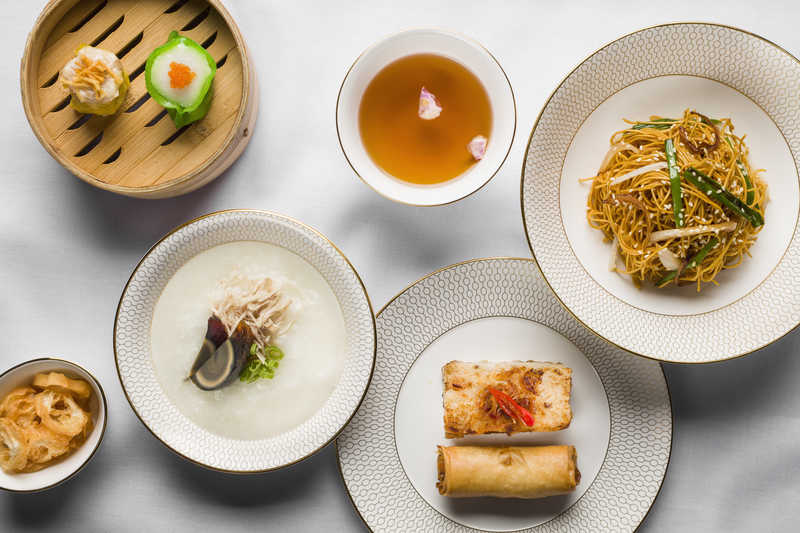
point(244, 341)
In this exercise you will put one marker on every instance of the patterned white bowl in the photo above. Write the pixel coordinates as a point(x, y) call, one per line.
point(137, 374)
point(662, 70)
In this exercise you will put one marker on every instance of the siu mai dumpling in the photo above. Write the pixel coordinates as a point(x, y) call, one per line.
point(95, 80)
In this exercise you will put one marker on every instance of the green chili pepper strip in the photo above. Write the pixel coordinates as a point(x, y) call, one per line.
point(664, 124)
point(715, 191)
point(674, 183)
point(693, 262)
point(751, 192)
point(668, 123)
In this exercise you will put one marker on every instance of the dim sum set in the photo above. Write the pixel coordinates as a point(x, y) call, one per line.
point(178, 76)
point(238, 326)
point(146, 99)
point(506, 397)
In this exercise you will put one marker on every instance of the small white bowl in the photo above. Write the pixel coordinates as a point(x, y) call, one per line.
point(61, 471)
point(431, 41)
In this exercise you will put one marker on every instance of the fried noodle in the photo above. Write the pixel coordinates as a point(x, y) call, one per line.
point(629, 210)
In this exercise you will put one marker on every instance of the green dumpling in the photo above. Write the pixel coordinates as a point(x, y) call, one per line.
point(178, 75)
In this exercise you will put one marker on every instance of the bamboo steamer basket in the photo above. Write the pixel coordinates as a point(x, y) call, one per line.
point(138, 151)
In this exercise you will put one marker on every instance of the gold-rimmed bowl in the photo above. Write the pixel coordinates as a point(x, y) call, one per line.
point(724, 72)
point(64, 469)
point(137, 373)
point(459, 48)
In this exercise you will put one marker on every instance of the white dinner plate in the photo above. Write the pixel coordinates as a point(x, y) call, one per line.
point(132, 345)
point(501, 309)
point(721, 72)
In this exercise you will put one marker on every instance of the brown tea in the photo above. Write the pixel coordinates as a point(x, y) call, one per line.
point(410, 147)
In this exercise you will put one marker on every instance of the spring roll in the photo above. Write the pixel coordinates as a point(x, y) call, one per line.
point(507, 471)
point(470, 408)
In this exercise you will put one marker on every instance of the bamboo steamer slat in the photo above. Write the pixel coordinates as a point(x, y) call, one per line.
point(139, 152)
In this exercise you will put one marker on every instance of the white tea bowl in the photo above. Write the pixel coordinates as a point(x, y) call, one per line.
point(461, 49)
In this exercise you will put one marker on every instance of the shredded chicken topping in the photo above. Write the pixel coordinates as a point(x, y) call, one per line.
point(255, 302)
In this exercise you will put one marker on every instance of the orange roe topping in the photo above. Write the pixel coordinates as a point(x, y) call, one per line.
point(180, 75)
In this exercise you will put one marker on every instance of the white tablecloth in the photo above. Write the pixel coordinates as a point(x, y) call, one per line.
point(67, 249)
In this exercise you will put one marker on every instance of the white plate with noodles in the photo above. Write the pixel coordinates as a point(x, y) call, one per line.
point(697, 251)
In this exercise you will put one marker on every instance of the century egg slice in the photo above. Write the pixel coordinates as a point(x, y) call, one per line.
point(215, 336)
point(220, 368)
